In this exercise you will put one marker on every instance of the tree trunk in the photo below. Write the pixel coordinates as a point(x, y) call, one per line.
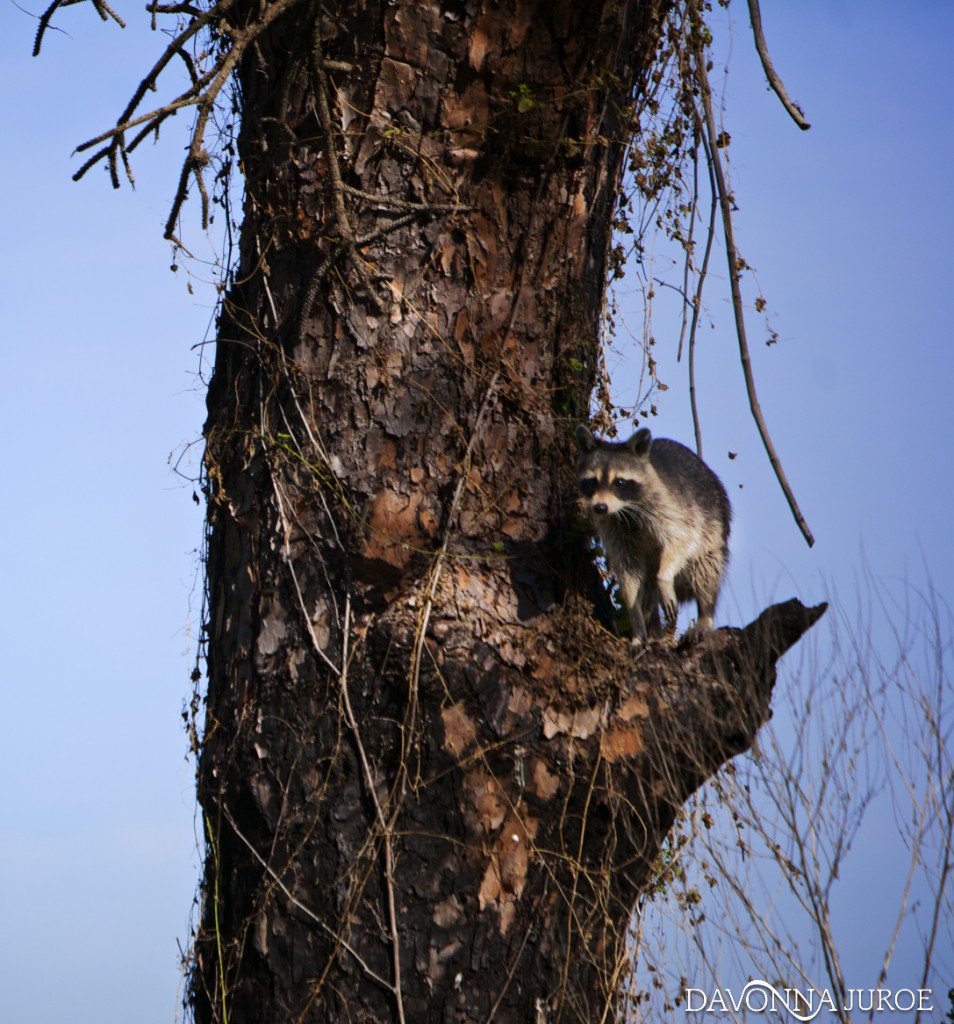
point(433, 785)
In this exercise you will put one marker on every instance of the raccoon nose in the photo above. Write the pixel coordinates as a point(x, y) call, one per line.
point(600, 508)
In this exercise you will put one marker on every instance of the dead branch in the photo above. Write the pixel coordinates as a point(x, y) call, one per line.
point(737, 678)
point(102, 9)
point(203, 92)
point(795, 112)
point(712, 143)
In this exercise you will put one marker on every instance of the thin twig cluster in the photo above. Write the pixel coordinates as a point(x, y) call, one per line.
point(209, 71)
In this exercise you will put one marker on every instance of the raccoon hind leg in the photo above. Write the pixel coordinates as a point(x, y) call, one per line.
point(666, 583)
point(704, 584)
point(704, 622)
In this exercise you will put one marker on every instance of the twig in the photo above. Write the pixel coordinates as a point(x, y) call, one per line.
point(700, 281)
point(735, 266)
point(794, 111)
point(696, 307)
point(688, 245)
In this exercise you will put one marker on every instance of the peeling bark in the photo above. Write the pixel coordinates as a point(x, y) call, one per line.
point(433, 785)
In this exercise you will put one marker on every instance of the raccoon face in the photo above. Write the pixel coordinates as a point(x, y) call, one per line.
point(607, 490)
point(611, 475)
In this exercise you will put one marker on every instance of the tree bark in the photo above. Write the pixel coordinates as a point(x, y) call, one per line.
point(433, 785)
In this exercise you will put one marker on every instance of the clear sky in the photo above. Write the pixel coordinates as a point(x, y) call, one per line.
point(848, 225)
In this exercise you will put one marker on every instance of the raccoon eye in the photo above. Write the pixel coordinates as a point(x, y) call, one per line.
point(626, 489)
point(588, 487)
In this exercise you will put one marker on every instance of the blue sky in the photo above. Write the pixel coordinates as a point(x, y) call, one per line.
point(848, 225)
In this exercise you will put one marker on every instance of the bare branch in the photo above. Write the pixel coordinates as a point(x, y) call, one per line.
point(106, 12)
point(190, 66)
point(202, 93)
point(102, 9)
point(735, 268)
point(193, 12)
point(190, 98)
point(771, 74)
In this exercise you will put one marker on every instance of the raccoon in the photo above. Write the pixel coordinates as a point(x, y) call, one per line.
point(663, 517)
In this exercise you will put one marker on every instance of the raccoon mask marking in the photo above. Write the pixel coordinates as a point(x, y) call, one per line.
point(663, 518)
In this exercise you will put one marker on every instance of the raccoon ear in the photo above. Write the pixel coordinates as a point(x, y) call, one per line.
point(639, 443)
point(584, 438)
